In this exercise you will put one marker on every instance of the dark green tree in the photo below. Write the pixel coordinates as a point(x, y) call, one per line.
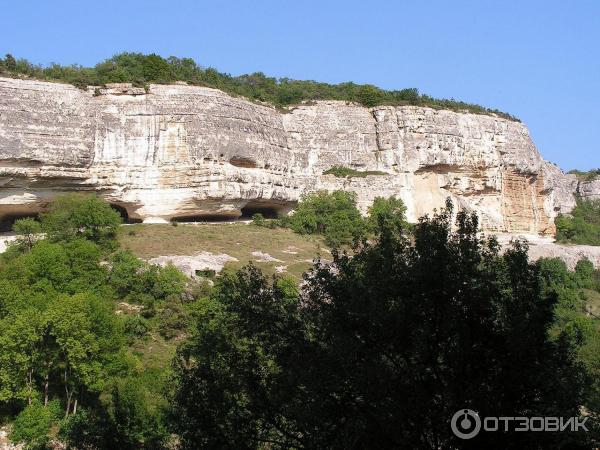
point(77, 215)
point(380, 349)
point(28, 230)
point(333, 215)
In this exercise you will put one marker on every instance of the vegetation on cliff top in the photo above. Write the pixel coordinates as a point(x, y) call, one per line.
point(590, 175)
point(141, 70)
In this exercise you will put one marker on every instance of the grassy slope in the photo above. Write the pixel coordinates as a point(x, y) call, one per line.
point(238, 240)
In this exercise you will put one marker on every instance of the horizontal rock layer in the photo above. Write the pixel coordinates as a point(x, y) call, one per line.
point(180, 151)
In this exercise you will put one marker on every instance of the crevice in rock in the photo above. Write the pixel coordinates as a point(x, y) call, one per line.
point(243, 162)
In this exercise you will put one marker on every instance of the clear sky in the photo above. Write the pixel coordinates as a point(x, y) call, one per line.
point(538, 60)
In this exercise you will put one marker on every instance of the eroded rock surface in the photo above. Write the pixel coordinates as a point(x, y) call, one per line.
point(544, 247)
point(177, 152)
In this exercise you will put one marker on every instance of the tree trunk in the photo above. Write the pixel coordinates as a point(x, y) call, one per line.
point(29, 385)
point(46, 383)
point(69, 395)
point(75, 407)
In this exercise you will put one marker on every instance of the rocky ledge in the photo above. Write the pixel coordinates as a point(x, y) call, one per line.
point(179, 152)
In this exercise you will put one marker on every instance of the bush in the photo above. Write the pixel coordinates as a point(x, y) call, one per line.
point(136, 327)
point(32, 426)
point(136, 416)
point(259, 220)
point(173, 319)
point(583, 226)
point(334, 215)
point(88, 429)
point(346, 172)
point(590, 175)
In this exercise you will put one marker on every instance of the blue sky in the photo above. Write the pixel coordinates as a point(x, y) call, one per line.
point(538, 60)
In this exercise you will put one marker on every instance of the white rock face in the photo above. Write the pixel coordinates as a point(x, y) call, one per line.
point(182, 151)
point(545, 247)
point(590, 189)
point(192, 265)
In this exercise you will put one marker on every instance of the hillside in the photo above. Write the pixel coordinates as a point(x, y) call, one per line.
point(278, 249)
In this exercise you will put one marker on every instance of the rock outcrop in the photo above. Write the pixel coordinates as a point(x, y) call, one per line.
point(589, 189)
point(177, 152)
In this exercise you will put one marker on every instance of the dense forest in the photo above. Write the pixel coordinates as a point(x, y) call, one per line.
point(142, 70)
point(376, 348)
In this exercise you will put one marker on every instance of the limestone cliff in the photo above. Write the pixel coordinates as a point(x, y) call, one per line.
point(180, 151)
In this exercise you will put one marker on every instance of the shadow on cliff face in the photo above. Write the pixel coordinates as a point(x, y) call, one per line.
point(206, 218)
point(123, 213)
point(269, 209)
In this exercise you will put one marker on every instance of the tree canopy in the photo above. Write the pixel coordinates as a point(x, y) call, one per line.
point(380, 349)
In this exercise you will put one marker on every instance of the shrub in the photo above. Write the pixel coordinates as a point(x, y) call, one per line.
point(583, 226)
point(346, 172)
point(136, 327)
point(334, 215)
point(32, 425)
point(259, 220)
point(590, 175)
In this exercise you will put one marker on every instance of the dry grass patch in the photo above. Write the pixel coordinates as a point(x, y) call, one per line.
point(238, 240)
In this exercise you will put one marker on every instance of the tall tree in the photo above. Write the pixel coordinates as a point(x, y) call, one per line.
point(380, 349)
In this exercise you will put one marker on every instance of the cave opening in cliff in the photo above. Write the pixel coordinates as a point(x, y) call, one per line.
point(206, 218)
point(269, 209)
point(124, 214)
point(7, 221)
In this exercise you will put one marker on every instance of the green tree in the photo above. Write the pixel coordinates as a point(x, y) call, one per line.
point(138, 423)
point(76, 215)
point(88, 336)
point(380, 349)
point(386, 213)
point(333, 215)
point(227, 374)
point(28, 230)
point(369, 95)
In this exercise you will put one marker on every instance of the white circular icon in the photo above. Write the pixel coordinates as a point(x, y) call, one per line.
point(465, 424)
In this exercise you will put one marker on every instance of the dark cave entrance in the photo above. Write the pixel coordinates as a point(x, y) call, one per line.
point(269, 210)
point(206, 218)
point(7, 221)
point(124, 214)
